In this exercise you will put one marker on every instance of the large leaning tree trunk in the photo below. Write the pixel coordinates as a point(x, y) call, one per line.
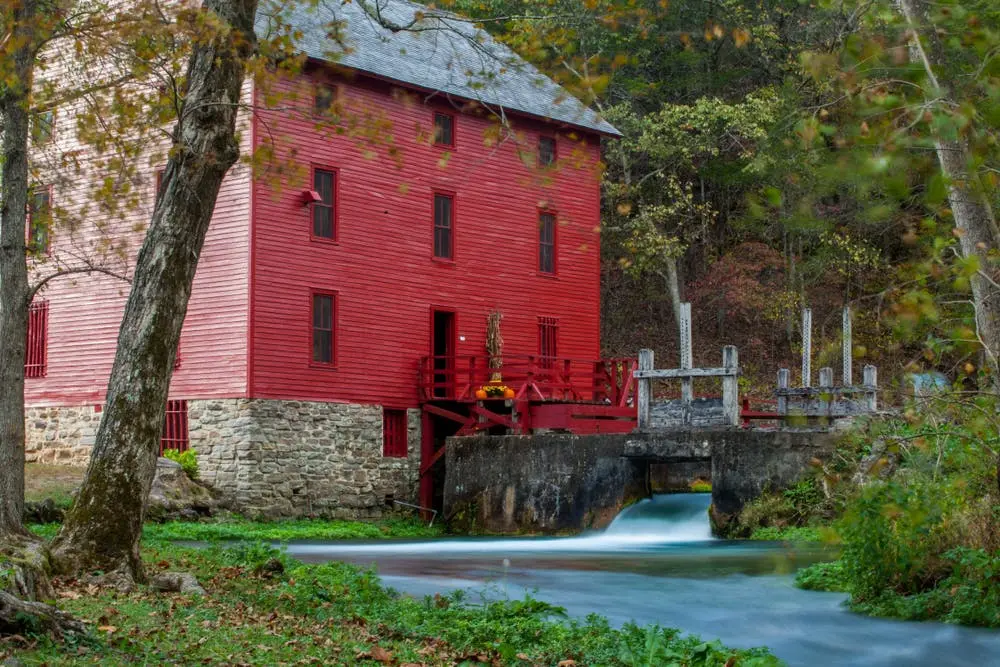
point(971, 209)
point(17, 58)
point(103, 528)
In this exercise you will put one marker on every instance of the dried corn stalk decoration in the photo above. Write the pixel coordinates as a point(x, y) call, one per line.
point(494, 344)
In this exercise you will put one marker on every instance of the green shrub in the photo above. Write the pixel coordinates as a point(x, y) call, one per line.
point(187, 459)
point(822, 577)
point(701, 486)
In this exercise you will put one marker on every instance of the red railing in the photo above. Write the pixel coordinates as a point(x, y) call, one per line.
point(534, 378)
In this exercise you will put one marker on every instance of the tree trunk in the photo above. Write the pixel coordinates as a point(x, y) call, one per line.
point(673, 288)
point(14, 104)
point(103, 528)
point(973, 214)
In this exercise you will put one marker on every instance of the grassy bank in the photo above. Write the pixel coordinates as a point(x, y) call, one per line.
point(258, 612)
point(913, 502)
point(242, 530)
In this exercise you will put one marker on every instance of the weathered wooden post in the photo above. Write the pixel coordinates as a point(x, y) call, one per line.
point(871, 387)
point(825, 389)
point(687, 356)
point(807, 324)
point(731, 385)
point(644, 390)
point(784, 380)
point(847, 348)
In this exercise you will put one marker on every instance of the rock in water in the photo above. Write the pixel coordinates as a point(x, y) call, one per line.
point(174, 495)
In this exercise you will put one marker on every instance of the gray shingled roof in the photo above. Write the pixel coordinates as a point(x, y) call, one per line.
point(443, 52)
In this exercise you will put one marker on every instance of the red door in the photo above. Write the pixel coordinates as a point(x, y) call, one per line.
point(443, 351)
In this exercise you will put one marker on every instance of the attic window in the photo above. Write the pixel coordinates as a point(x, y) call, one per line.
point(546, 151)
point(326, 95)
point(444, 129)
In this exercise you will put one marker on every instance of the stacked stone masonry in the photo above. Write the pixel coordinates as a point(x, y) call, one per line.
point(273, 458)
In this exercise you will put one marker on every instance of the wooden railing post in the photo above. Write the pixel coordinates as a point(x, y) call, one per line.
point(807, 323)
point(644, 390)
point(825, 389)
point(731, 386)
point(847, 348)
point(784, 379)
point(687, 356)
point(871, 388)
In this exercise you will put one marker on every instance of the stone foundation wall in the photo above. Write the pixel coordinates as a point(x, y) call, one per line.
point(274, 458)
point(292, 458)
point(60, 435)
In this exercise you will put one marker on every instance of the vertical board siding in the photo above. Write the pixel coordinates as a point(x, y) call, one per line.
point(85, 311)
point(382, 266)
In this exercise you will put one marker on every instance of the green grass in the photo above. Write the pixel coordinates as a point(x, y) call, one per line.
point(57, 482)
point(238, 530)
point(789, 534)
point(338, 614)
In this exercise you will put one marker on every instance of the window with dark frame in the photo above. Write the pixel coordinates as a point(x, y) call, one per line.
point(394, 433)
point(444, 228)
point(36, 359)
point(326, 96)
point(548, 332)
point(444, 129)
point(546, 151)
point(39, 219)
point(547, 242)
point(42, 127)
point(322, 328)
point(324, 218)
point(175, 427)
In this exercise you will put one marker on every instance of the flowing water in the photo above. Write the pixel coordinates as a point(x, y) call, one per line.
point(657, 563)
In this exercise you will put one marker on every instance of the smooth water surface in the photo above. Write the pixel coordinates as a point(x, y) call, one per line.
point(657, 563)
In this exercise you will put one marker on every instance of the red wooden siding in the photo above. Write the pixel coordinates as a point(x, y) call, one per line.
point(86, 311)
point(38, 340)
point(175, 427)
point(382, 266)
point(394, 436)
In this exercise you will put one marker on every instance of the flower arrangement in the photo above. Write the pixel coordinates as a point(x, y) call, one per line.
point(494, 390)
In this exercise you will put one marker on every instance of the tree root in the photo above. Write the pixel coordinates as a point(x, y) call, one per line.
point(19, 617)
point(25, 563)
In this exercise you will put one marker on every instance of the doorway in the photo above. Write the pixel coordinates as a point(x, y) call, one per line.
point(443, 351)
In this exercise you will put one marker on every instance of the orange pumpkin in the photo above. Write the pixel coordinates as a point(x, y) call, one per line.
point(508, 393)
point(480, 394)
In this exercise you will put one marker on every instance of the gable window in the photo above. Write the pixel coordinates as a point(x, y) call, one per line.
point(444, 228)
point(394, 433)
point(546, 151)
point(42, 127)
point(547, 242)
point(35, 361)
point(323, 310)
point(175, 427)
point(548, 331)
point(326, 96)
point(323, 212)
point(39, 219)
point(444, 129)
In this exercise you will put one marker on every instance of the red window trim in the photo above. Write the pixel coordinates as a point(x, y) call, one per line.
point(335, 216)
point(335, 295)
point(28, 228)
point(548, 332)
point(454, 218)
point(454, 129)
point(36, 358)
point(555, 150)
point(321, 83)
point(555, 244)
point(395, 433)
point(175, 433)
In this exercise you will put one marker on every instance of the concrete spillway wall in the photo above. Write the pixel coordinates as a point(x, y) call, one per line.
point(564, 483)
